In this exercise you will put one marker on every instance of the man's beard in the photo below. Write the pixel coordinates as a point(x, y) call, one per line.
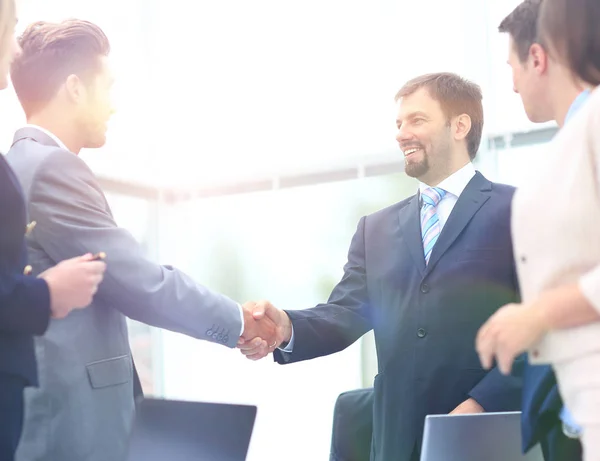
point(416, 169)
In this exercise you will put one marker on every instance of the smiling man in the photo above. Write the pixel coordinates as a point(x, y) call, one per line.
point(424, 274)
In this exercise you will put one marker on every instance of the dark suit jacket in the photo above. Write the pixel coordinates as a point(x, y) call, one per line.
point(425, 318)
point(24, 301)
point(540, 418)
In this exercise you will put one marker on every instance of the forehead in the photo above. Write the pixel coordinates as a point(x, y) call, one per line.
point(419, 101)
point(105, 70)
point(513, 55)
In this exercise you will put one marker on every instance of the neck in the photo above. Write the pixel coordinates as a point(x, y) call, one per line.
point(61, 127)
point(432, 180)
point(563, 96)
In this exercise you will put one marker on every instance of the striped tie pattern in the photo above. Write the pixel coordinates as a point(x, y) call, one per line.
point(430, 223)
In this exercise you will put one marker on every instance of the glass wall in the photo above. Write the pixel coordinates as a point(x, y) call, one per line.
point(288, 246)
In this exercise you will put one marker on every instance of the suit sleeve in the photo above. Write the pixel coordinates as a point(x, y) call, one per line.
point(331, 327)
point(24, 303)
point(498, 392)
point(73, 218)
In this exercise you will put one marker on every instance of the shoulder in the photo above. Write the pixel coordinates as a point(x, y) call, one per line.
point(503, 191)
point(391, 211)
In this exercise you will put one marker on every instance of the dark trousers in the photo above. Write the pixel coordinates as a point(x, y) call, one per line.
point(556, 446)
point(11, 414)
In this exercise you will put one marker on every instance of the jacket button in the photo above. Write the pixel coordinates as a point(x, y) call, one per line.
point(28, 270)
point(421, 333)
point(424, 288)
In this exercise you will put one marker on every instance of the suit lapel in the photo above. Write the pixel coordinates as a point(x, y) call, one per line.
point(470, 201)
point(33, 134)
point(410, 231)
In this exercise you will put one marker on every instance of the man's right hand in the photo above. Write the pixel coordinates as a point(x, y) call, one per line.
point(263, 312)
point(72, 283)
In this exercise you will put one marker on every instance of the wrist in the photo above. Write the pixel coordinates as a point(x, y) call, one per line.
point(287, 328)
point(540, 315)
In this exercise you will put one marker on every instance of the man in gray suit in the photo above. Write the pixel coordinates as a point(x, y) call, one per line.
point(84, 406)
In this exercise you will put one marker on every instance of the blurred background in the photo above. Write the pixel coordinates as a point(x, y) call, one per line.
point(249, 139)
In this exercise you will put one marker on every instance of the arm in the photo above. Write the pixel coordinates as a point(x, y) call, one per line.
point(331, 327)
point(24, 303)
point(499, 392)
point(576, 304)
point(579, 304)
point(73, 218)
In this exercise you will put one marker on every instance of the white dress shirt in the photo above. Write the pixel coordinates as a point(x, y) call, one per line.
point(48, 133)
point(63, 146)
point(454, 185)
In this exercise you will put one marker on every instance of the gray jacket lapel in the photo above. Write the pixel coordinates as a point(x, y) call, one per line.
point(33, 134)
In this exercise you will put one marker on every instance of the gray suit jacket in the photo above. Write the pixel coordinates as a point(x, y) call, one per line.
point(84, 406)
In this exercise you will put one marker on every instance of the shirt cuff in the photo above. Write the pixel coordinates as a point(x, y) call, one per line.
point(289, 348)
point(241, 320)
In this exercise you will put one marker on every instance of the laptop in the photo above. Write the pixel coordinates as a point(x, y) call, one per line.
point(475, 437)
point(190, 431)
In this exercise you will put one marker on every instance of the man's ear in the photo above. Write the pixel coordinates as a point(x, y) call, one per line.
point(538, 58)
point(74, 88)
point(461, 126)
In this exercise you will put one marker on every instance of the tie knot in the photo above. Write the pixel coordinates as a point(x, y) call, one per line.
point(432, 195)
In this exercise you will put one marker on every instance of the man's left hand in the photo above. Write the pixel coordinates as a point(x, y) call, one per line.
point(469, 406)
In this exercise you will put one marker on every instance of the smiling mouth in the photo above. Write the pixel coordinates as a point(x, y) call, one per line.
point(409, 152)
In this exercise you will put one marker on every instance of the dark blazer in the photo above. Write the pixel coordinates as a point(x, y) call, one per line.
point(540, 418)
point(425, 318)
point(24, 311)
point(24, 300)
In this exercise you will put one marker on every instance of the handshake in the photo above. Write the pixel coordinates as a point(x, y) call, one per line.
point(265, 329)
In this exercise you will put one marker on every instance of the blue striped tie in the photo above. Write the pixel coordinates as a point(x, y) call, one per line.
point(430, 223)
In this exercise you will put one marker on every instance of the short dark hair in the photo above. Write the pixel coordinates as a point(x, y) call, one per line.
point(50, 53)
point(521, 25)
point(570, 27)
point(456, 96)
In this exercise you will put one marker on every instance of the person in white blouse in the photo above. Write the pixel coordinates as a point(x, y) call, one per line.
point(555, 222)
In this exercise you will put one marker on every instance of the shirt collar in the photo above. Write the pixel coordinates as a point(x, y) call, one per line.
point(456, 182)
point(52, 135)
point(577, 104)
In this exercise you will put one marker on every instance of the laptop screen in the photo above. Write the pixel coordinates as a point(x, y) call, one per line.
point(190, 431)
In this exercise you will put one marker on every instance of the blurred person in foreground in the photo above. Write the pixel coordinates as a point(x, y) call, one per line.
point(555, 222)
point(544, 417)
point(84, 405)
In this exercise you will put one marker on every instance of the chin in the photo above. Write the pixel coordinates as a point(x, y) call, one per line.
point(97, 142)
point(536, 116)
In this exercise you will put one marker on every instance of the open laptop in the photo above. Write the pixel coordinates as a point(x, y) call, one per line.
point(476, 437)
point(190, 431)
